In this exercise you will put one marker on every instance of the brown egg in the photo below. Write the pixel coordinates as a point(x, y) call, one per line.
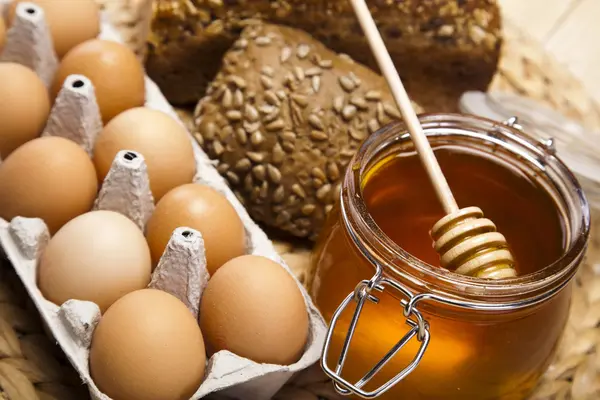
point(148, 346)
point(116, 73)
point(99, 256)
point(51, 178)
point(164, 143)
point(70, 22)
point(254, 308)
point(24, 106)
point(2, 34)
point(202, 208)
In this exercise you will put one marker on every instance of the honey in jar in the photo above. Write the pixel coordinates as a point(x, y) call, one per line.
point(466, 338)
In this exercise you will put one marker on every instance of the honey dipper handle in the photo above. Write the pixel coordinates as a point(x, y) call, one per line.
point(409, 115)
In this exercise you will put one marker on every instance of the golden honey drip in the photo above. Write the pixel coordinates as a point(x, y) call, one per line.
point(469, 244)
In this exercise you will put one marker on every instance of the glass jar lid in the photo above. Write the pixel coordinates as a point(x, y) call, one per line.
point(576, 146)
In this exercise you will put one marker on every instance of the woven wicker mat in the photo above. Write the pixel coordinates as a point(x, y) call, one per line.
point(32, 367)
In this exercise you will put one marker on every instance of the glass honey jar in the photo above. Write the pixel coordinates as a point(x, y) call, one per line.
point(401, 327)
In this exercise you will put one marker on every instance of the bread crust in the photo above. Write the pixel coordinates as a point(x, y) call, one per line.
point(441, 47)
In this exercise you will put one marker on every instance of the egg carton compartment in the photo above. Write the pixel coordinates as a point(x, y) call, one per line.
point(182, 269)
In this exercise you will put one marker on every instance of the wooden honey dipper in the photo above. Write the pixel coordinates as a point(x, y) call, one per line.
point(467, 243)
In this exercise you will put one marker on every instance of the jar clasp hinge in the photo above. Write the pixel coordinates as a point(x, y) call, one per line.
point(419, 329)
point(548, 143)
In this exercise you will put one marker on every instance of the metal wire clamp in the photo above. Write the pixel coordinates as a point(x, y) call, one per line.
point(418, 329)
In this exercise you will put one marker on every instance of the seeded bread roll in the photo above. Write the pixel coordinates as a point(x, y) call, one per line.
point(283, 117)
point(441, 47)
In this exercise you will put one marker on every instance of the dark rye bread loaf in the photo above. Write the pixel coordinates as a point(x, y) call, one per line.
point(441, 47)
point(283, 118)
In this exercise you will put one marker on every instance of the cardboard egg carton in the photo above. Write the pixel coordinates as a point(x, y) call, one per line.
point(182, 269)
